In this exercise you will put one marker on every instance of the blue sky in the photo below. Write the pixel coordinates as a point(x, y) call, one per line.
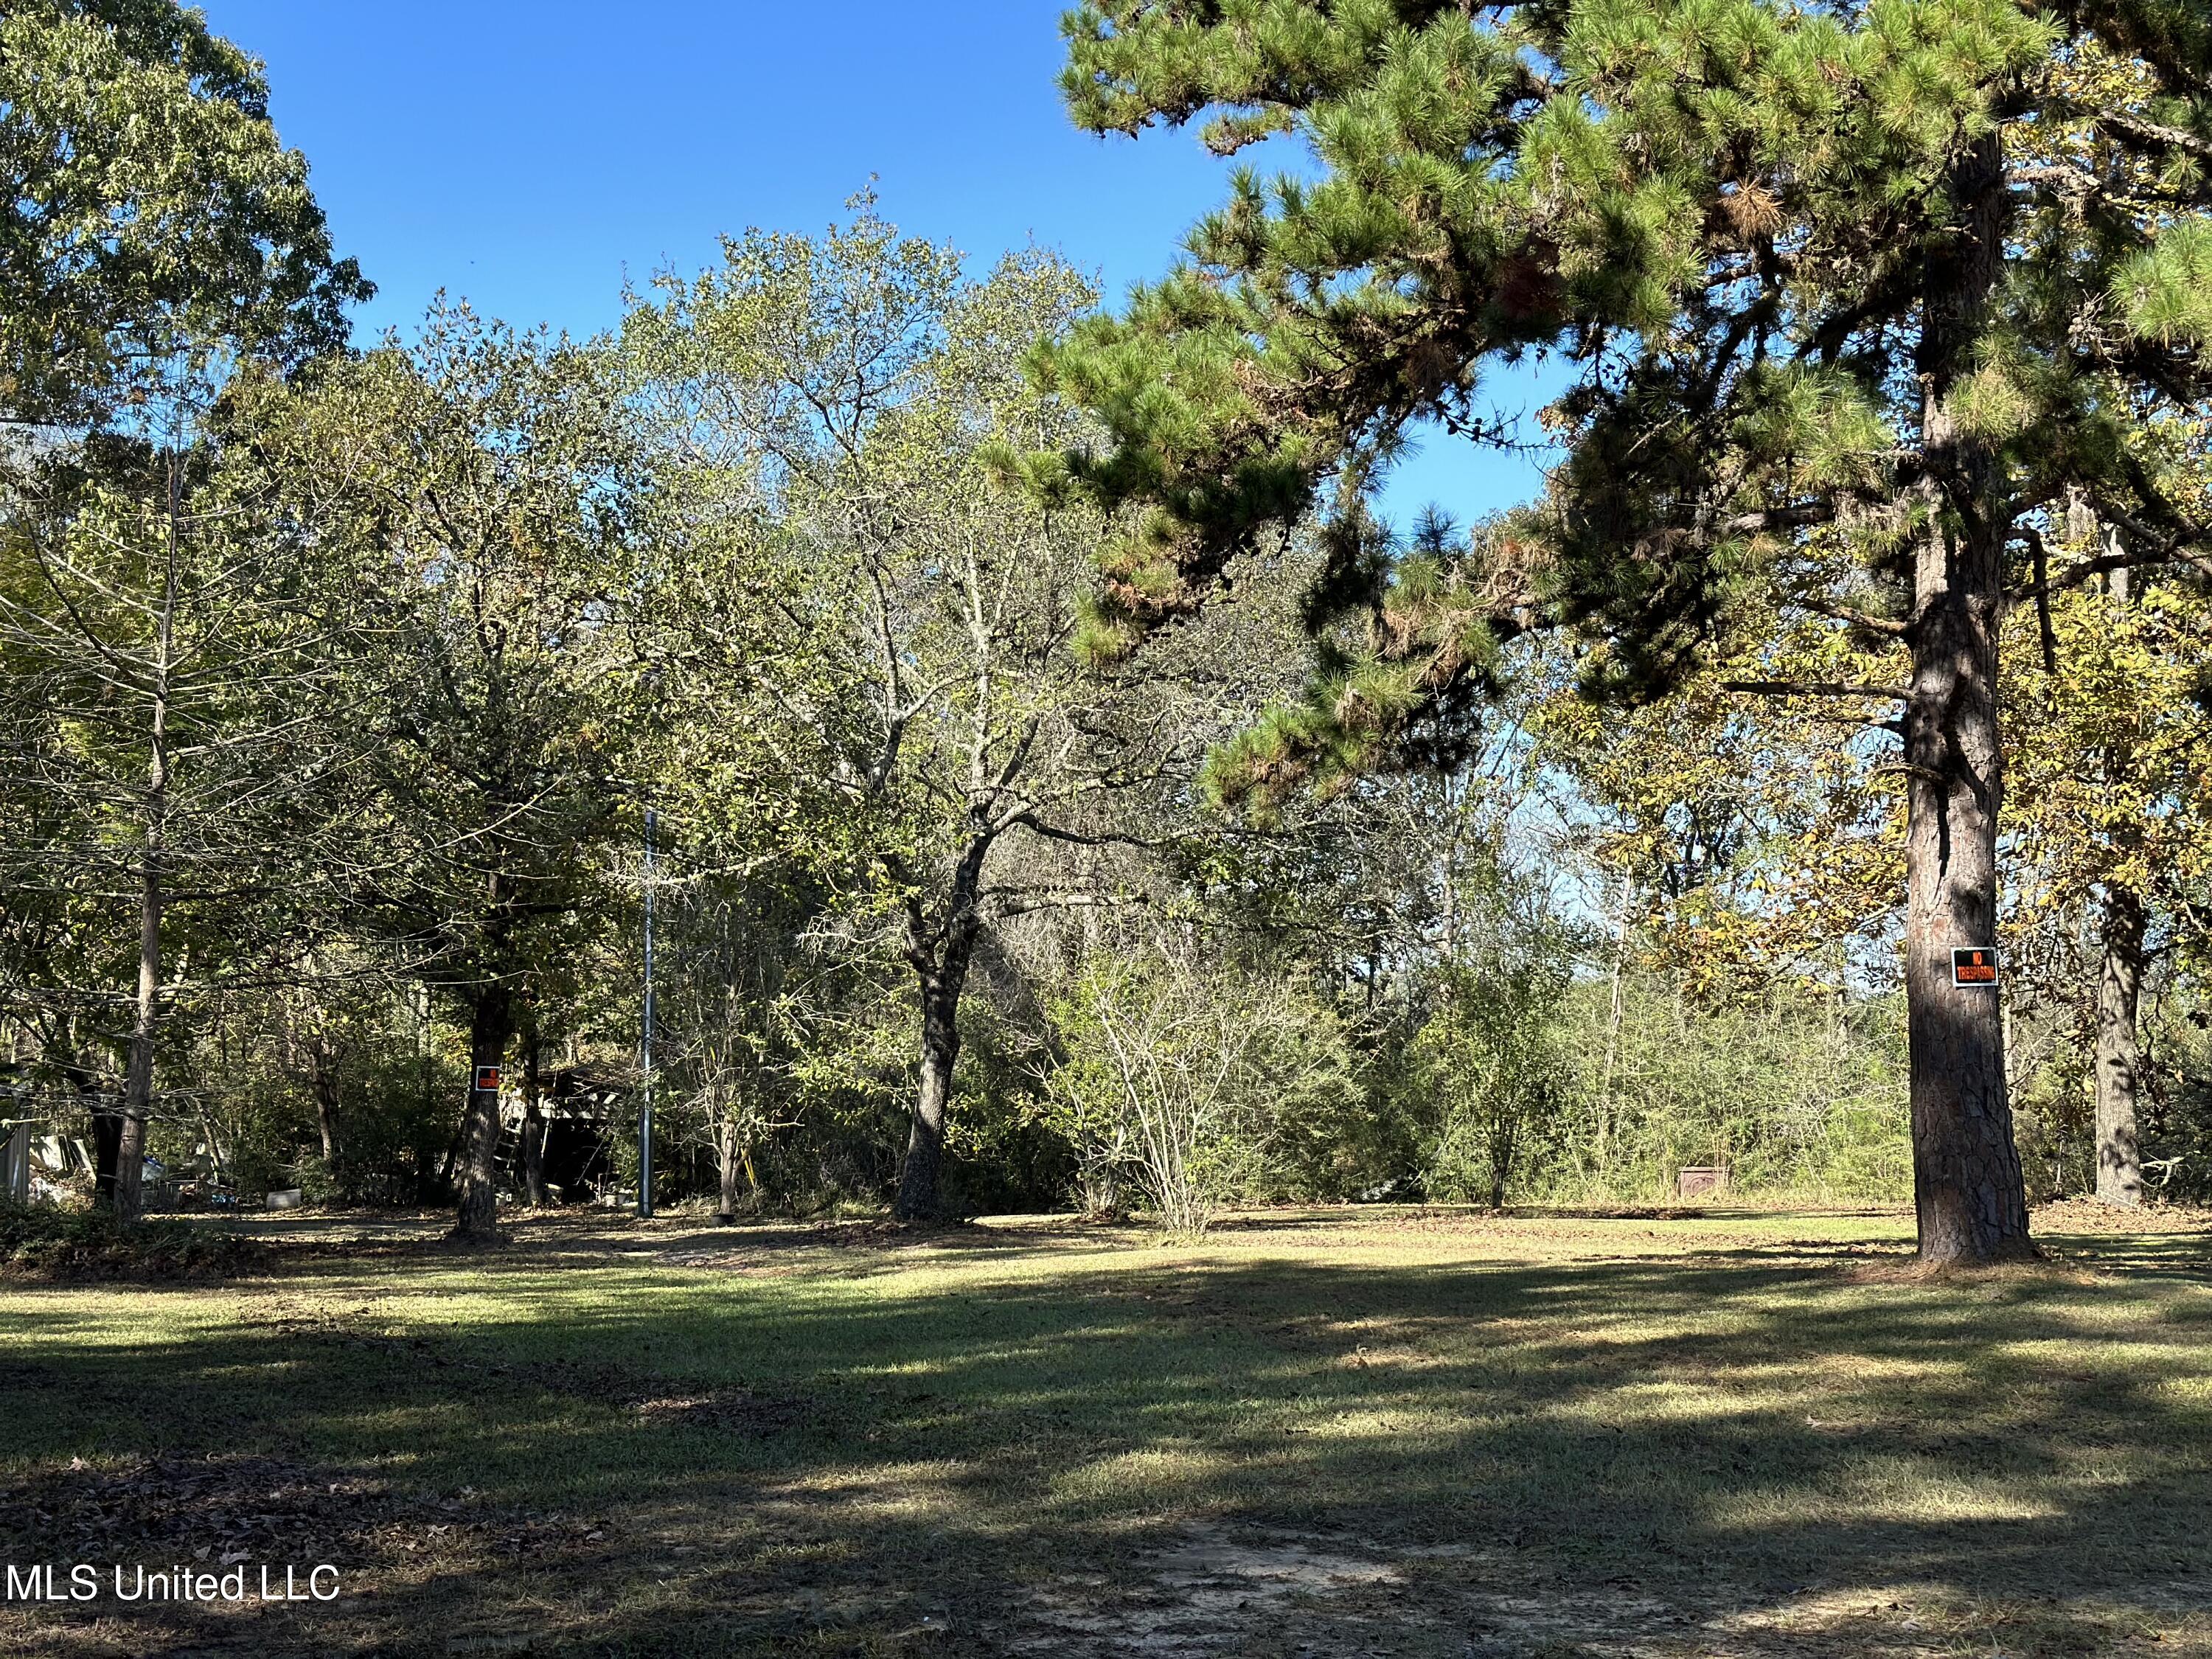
point(527, 156)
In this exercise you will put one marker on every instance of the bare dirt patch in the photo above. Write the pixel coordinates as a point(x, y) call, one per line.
point(1223, 1593)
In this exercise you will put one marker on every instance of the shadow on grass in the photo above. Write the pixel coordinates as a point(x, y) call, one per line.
point(1706, 1439)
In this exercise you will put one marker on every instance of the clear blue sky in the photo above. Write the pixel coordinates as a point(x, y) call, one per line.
point(526, 157)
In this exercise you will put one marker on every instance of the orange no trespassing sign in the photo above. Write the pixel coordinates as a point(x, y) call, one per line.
point(1973, 965)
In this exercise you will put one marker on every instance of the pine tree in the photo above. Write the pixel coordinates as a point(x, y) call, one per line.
point(1841, 337)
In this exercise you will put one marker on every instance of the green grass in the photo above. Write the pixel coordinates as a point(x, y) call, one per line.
point(1408, 1432)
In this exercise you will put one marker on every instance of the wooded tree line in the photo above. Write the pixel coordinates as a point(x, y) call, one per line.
point(1064, 788)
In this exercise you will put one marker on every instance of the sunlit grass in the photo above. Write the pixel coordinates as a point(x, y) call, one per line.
point(752, 1438)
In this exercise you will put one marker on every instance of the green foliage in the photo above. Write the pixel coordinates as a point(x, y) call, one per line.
point(477, 485)
point(2165, 293)
point(1715, 214)
point(2111, 762)
point(1194, 1085)
point(152, 210)
point(1800, 1090)
point(851, 559)
point(1489, 1064)
point(1000, 1157)
point(823, 537)
point(2177, 1127)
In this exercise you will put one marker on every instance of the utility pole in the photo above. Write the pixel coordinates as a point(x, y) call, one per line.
point(645, 1043)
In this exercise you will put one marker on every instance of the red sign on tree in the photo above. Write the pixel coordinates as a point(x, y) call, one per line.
point(1973, 966)
point(488, 1079)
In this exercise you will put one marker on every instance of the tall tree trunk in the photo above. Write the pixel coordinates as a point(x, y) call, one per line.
point(2119, 980)
point(323, 1084)
point(127, 1199)
point(2119, 987)
point(726, 1159)
point(940, 958)
point(533, 1125)
point(491, 1027)
point(941, 987)
point(1967, 1189)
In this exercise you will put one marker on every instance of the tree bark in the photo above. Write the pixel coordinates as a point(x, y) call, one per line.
point(533, 1126)
point(727, 1161)
point(491, 1026)
point(941, 987)
point(126, 1198)
point(1967, 1189)
point(940, 958)
point(323, 1084)
point(2119, 989)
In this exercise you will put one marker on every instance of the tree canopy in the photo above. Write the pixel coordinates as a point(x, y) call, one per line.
point(153, 210)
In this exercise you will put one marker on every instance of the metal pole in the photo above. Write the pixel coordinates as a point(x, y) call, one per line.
point(645, 1046)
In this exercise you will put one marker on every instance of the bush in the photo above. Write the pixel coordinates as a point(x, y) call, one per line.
point(1489, 1061)
point(1800, 1092)
point(1193, 1083)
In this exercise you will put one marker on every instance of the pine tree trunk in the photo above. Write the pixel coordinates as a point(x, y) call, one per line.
point(126, 1198)
point(1967, 1189)
point(2119, 989)
point(1966, 1179)
point(491, 1026)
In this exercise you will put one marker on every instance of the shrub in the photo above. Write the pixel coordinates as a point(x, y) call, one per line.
point(1184, 1078)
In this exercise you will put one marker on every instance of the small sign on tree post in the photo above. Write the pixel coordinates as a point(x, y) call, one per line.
point(1974, 965)
point(488, 1079)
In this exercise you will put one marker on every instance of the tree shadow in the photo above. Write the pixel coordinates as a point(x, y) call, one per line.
point(1734, 1440)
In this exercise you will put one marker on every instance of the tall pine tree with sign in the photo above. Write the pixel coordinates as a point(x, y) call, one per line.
point(1842, 339)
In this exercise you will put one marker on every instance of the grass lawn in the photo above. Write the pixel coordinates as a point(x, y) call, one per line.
point(1407, 1432)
